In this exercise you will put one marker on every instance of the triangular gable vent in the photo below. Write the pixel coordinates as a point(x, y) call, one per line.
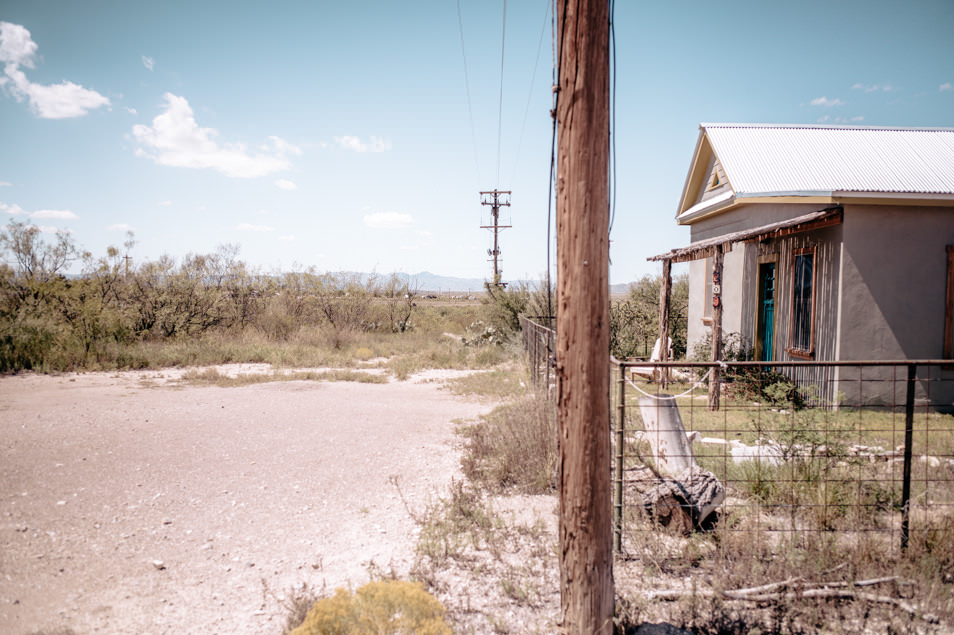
point(716, 177)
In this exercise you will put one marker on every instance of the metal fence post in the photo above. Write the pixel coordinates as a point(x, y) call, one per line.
point(620, 428)
point(908, 435)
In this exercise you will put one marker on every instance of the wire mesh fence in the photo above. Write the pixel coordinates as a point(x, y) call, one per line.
point(538, 343)
point(867, 458)
point(855, 454)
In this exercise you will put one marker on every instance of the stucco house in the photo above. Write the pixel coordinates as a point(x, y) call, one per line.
point(837, 243)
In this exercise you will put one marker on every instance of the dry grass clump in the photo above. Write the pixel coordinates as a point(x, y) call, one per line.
point(514, 447)
point(502, 383)
point(383, 606)
point(494, 572)
point(807, 581)
point(363, 354)
point(212, 376)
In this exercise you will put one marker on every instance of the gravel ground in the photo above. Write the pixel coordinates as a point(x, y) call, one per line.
point(130, 503)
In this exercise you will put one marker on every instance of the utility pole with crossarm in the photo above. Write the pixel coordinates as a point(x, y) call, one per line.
point(496, 199)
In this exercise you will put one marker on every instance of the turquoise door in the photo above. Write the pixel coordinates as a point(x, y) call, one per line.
point(766, 308)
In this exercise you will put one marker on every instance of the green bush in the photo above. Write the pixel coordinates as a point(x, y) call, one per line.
point(503, 306)
point(634, 322)
point(384, 606)
point(210, 309)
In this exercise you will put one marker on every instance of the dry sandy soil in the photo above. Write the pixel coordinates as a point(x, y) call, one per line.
point(133, 503)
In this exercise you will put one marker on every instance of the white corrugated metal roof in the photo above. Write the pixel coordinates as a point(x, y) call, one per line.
point(761, 159)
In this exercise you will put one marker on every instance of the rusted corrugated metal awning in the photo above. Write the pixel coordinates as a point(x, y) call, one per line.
point(705, 248)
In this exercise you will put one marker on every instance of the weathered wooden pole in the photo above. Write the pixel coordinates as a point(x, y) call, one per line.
point(582, 355)
point(715, 376)
point(665, 297)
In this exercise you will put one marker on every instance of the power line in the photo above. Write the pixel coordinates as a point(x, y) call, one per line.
point(503, 42)
point(612, 130)
point(557, 63)
point(470, 108)
point(533, 79)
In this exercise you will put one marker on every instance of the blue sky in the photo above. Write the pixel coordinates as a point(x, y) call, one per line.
point(340, 135)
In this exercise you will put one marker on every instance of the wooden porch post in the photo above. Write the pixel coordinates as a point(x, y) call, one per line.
point(665, 297)
point(715, 376)
point(582, 353)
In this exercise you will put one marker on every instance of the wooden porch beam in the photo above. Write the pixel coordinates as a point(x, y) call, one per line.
point(715, 375)
point(665, 298)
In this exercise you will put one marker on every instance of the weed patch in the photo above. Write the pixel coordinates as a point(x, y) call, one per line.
point(514, 447)
point(211, 376)
point(503, 383)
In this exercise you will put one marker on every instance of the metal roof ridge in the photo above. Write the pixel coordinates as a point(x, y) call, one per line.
point(800, 126)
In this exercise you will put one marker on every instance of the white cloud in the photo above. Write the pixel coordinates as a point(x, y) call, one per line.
point(165, 203)
point(248, 227)
point(13, 210)
point(54, 101)
point(824, 101)
point(49, 229)
point(946, 86)
point(376, 144)
point(388, 220)
point(286, 238)
point(6, 184)
point(285, 184)
point(131, 111)
point(59, 214)
point(873, 88)
point(120, 227)
point(175, 139)
point(837, 120)
point(148, 62)
point(16, 45)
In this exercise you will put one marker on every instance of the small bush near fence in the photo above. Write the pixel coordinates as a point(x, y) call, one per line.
point(383, 606)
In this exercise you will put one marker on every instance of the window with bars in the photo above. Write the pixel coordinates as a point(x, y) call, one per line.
point(802, 340)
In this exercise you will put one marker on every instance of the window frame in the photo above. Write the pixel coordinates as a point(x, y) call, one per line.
point(793, 350)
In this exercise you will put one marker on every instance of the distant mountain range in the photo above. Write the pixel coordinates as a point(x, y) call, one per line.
point(427, 281)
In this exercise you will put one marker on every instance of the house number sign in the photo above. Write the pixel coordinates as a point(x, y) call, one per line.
point(716, 288)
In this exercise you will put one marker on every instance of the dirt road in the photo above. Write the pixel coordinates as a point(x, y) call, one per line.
point(132, 504)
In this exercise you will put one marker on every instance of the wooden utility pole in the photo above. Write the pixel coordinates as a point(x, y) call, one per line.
point(715, 374)
point(495, 199)
point(582, 355)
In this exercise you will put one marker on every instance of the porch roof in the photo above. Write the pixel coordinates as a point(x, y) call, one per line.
point(705, 248)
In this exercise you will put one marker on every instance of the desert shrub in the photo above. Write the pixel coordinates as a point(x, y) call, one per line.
point(383, 606)
point(479, 334)
point(634, 321)
point(752, 383)
point(514, 447)
point(503, 306)
point(26, 346)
